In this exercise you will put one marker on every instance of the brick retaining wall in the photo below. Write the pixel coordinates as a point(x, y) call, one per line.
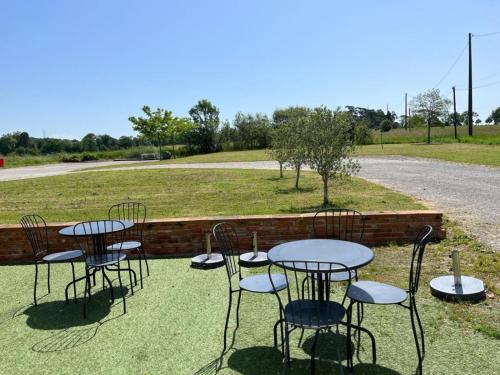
point(185, 236)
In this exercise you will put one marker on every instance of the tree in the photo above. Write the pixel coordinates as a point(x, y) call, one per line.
point(489, 120)
point(126, 142)
point(495, 116)
point(385, 125)
point(329, 146)
point(157, 125)
point(7, 144)
point(205, 116)
point(253, 130)
point(464, 117)
point(289, 138)
point(89, 143)
point(478, 121)
point(23, 140)
point(432, 107)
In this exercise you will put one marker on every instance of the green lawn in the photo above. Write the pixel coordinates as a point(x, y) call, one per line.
point(483, 134)
point(181, 193)
point(456, 152)
point(174, 325)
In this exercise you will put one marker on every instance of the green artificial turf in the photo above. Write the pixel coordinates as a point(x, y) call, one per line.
point(182, 193)
point(174, 326)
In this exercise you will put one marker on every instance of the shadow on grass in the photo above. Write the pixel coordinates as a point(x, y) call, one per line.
point(331, 346)
point(72, 329)
point(293, 190)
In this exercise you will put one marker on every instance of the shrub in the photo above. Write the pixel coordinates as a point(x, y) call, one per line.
point(70, 159)
point(88, 157)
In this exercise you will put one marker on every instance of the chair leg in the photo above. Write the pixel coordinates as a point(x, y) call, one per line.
point(415, 336)
point(74, 282)
point(130, 276)
point(348, 338)
point(421, 328)
point(238, 309)
point(140, 268)
point(145, 260)
point(227, 320)
point(358, 312)
point(313, 351)
point(36, 282)
point(87, 290)
point(121, 289)
point(287, 346)
point(48, 278)
point(104, 276)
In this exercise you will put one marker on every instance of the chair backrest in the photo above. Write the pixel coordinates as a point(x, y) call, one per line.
point(228, 244)
point(339, 224)
point(300, 292)
point(94, 236)
point(131, 211)
point(35, 228)
point(421, 241)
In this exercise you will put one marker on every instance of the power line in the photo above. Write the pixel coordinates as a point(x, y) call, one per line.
point(487, 34)
point(452, 66)
point(481, 86)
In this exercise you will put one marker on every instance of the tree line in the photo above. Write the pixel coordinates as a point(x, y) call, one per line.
point(203, 131)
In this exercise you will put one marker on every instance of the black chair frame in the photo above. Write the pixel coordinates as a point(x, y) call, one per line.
point(422, 239)
point(318, 297)
point(96, 258)
point(227, 240)
point(36, 231)
point(135, 212)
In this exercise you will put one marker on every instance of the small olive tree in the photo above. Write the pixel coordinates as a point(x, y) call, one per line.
point(330, 146)
point(288, 142)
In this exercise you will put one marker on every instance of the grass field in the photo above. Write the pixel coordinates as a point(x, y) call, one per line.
point(175, 324)
point(455, 152)
point(484, 134)
point(181, 193)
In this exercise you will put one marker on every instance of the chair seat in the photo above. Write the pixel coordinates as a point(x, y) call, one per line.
point(262, 284)
point(105, 259)
point(308, 313)
point(63, 256)
point(124, 246)
point(376, 293)
point(339, 276)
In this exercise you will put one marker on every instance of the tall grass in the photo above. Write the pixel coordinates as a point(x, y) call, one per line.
point(484, 134)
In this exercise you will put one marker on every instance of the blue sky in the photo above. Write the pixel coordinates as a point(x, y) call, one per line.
point(69, 68)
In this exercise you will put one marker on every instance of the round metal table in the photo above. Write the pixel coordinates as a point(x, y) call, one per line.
point(352, 255)
point(97, 229)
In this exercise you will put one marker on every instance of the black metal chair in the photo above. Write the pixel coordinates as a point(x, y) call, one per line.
point(35, 228)
point(94, 238)
point(228, 244)
point(339, 224)
point(314, 311)
point(376, 293)
point(134, 240)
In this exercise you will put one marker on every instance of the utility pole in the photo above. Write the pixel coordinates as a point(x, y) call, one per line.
point(470, 110)
point(406, 111)
point(409, 118)
point(454, 112)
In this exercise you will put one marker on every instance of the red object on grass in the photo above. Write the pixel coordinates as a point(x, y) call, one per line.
point(1, 162)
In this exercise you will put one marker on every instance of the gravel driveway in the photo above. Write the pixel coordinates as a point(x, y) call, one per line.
point(469, 194)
